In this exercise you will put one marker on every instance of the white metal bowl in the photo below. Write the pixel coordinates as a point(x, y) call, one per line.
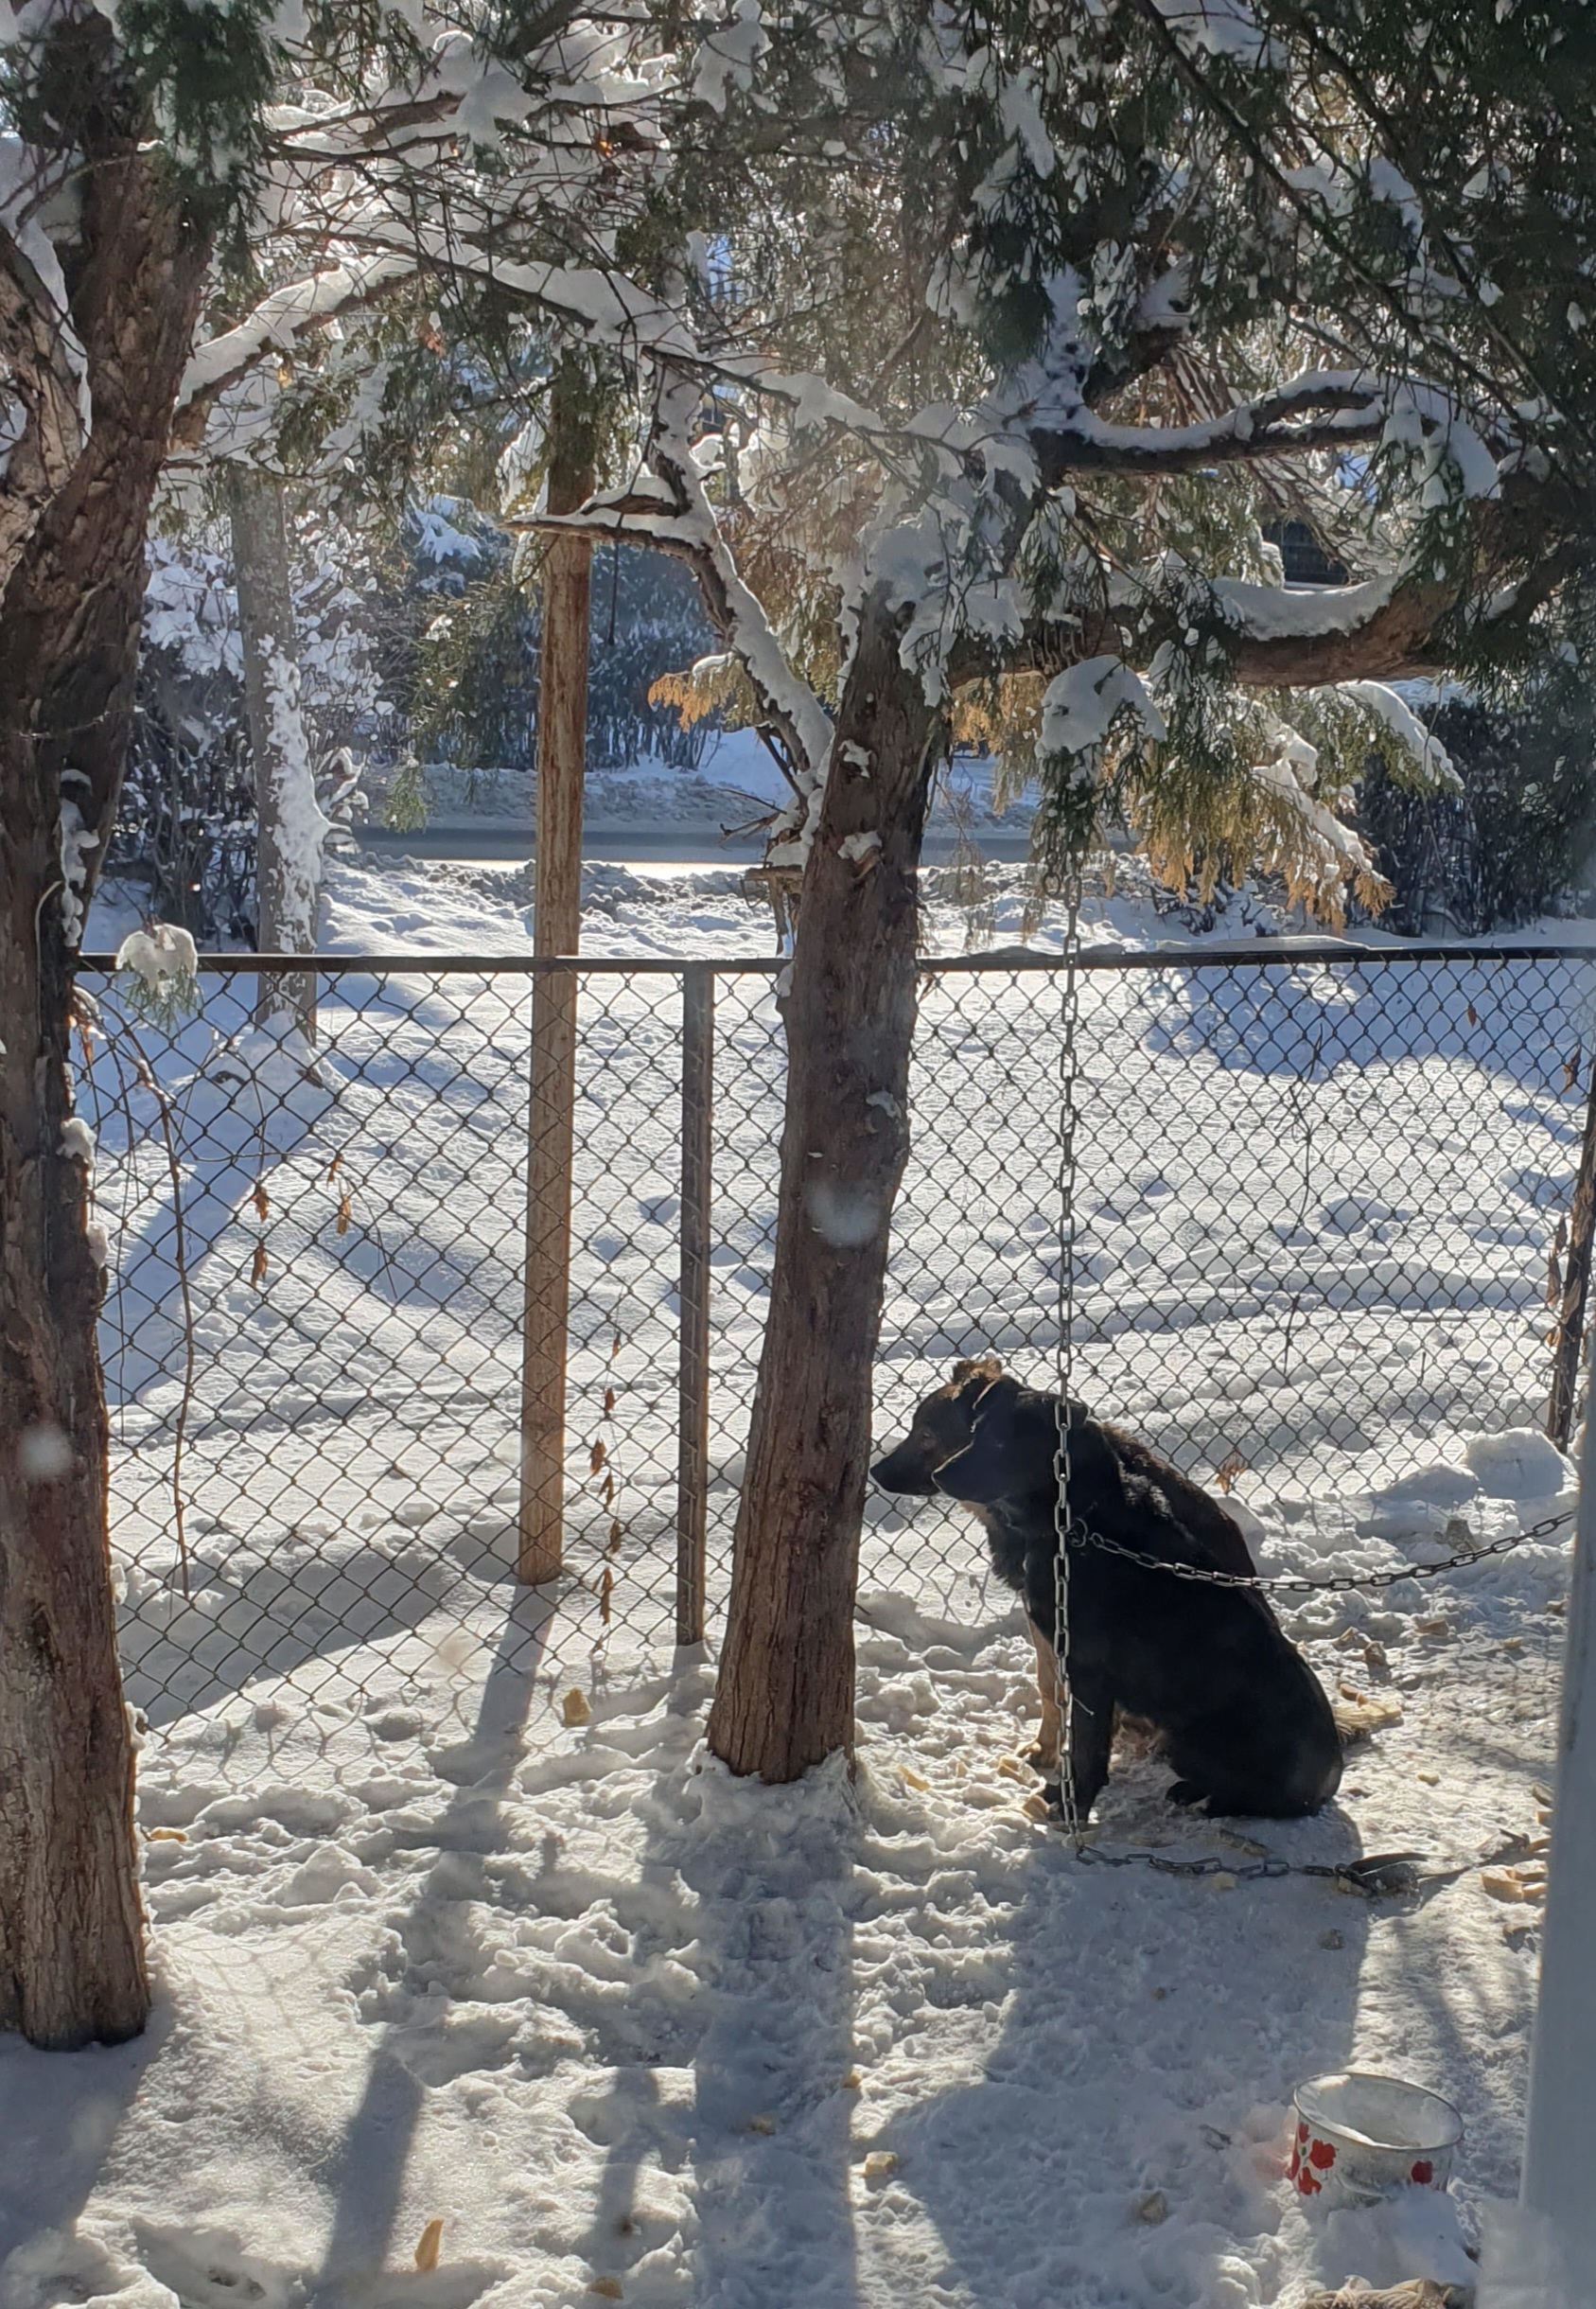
point(1360, 2138)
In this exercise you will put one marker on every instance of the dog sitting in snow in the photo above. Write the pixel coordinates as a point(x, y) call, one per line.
point(1240, 1714)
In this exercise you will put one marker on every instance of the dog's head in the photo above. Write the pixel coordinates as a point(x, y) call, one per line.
point(942, 1430)
point(1012, 1451)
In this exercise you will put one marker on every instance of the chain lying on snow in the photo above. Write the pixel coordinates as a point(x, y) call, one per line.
point(1338, 1583)
point(1380, 1872)
point(1375, 1876)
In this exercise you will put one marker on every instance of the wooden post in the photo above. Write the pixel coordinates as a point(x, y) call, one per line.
point(289, 852)
point(692, 1385)
point(1570, 1333)
point(562, 729)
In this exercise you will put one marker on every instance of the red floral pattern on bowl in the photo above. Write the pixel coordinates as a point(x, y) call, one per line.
point(1336, 2154)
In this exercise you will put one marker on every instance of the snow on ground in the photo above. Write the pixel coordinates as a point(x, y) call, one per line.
point(735, 782)
point(435, 1940)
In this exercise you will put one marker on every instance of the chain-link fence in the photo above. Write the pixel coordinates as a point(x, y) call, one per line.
point(1323, 1201)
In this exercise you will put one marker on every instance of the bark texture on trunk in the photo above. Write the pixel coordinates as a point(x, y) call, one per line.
point(71, 1928)
point(291, 826)
point(785, 1699)
point(557, 924)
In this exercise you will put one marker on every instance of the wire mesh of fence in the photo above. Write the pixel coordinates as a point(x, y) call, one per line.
point(1323, 1231)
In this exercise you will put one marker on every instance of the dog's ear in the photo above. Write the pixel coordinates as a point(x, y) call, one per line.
point(976, 1366)
point(988, 1468)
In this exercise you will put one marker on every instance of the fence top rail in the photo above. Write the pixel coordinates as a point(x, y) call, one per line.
point(1227, 954)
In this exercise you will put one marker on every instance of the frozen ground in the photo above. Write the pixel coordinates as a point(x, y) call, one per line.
point(735, 784)
point(435, 1940)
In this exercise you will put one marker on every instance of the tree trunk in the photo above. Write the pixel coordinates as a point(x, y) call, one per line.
point(71, 1954)
point(785, 1699)
point(556, 925)
point(292, 829)
point(71, 1930)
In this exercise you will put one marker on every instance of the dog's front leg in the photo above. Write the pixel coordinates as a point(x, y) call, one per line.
point(1045, 1755)
point(1091, 1738)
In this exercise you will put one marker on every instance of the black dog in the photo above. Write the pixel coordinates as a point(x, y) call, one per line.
point(1243, 1718)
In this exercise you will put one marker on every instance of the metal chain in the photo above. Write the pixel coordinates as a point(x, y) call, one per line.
point(1338, 1583)
point(1376, 1875)
point(1063, 1696)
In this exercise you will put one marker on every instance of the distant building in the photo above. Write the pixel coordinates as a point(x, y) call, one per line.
point(1304, 558)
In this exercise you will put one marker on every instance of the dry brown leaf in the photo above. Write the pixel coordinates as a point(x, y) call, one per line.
point(879, 2164)
point(608, 2289)
point(332, 1167)
point(431, 2237)
point(1513, 1884)
point(343, 1214)
point(1571, 1070)
point(575, 1708)
point(257, 1265)
point(261, 1199)
point(609, 1402)
point(912, 1779)
point(607, 1590)
point(1473, 1015)
point(167, 1836)
point(1229, 1468)
point(1359, 1714)
point(606, 1496)
point(596, 1457)
point(614, 1544)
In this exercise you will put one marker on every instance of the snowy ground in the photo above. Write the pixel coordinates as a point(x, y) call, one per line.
point(435, 1940)
point(736, 782)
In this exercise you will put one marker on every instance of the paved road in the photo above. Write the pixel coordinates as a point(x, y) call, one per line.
point(618, 847)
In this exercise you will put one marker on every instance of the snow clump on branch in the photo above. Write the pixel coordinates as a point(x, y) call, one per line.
point(158, 971)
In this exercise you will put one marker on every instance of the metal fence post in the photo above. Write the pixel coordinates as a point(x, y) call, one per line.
point(550, 1135)
point(692, 1385)
point(1570, 1333)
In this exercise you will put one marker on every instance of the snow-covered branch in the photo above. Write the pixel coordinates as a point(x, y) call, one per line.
point(277, 325)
